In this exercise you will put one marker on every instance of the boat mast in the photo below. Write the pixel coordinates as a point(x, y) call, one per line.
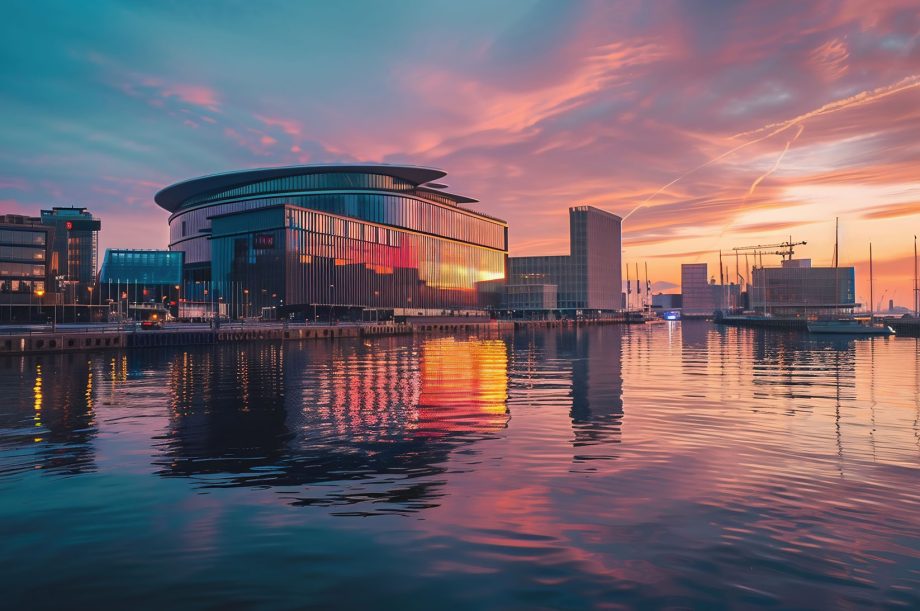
point(836, 263)
point(638, 289)
point(871, 291)
point(648, 300)
point(628, 290)
point(916, 283)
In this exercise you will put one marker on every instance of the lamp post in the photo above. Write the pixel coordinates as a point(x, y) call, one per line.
point(40, 293)
point(90, 289)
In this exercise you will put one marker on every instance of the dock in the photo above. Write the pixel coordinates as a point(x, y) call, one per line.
point(109, 337)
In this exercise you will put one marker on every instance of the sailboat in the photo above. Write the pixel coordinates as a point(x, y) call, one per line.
point(852, 326)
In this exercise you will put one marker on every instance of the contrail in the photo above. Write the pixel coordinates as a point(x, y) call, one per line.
point(779, 160)
point(772, 129)
point(761, 178)
point(864, 97)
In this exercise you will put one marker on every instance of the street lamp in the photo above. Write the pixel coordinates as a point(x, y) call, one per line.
point(40, 293)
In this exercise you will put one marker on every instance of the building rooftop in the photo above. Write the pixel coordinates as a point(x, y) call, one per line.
point(172, 197)
point(142, 266)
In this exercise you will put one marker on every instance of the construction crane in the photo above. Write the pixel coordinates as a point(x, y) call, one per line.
point(784, 249)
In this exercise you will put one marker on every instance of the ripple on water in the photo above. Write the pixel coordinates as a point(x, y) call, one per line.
point(680, 465)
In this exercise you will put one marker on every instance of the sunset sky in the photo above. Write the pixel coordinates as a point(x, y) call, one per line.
point(772, 117)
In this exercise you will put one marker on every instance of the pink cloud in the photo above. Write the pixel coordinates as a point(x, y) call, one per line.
point(290, 127)
point(830, 59)
point(196, 95)
point(14, 183)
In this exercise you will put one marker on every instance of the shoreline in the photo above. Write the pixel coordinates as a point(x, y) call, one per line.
point(105, 338)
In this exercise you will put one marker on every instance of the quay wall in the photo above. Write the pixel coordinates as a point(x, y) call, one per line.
point(906, 327)
point(89, 339)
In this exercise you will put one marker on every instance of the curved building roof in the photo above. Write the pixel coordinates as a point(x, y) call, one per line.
point(172, 197)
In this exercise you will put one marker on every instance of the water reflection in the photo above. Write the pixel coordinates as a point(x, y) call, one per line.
point(375, 418)
point(678, 465)
point(588, 364)
point(49, 425)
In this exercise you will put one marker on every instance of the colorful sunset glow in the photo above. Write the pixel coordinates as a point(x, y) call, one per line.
point(707, 124)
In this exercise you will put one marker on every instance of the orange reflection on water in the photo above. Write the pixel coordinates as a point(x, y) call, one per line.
point(464, 386)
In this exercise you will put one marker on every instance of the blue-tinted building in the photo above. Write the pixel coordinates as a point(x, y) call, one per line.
point(324, 237)
point(135, 281)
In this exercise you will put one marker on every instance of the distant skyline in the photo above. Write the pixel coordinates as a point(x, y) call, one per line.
point(707, 125)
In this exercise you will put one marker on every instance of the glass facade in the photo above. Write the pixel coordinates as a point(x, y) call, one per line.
point(146, 267)
point(76, 235)
point(25, 261)
point(588, 278)
point(355, 236)
point(803, 291)
point(300, 258)
point(416, 210)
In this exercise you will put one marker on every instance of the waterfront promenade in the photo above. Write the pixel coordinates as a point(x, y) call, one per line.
point(37, 339)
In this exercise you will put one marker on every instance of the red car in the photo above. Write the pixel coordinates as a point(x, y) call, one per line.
point(151, 324)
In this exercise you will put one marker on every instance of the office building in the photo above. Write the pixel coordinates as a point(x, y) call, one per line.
point(76, 243)
point(331, 240)
point(698, 299)
point(589, 279)
point(27, 268)
point(137, 283)
point(796, 289)
point(702, 297)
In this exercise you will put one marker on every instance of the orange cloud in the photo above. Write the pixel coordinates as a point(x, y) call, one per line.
point(893, 211)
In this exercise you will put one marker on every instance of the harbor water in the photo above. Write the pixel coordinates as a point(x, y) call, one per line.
point(674, 465)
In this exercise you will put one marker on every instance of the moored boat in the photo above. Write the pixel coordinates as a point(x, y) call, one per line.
point(848, 326)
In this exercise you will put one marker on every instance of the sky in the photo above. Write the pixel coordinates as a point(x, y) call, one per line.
point(705, 124)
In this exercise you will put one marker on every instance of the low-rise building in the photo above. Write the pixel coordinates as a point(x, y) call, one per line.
point(141, 283)
point(796, 289)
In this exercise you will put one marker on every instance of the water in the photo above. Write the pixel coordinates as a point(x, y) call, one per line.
point(682, 465)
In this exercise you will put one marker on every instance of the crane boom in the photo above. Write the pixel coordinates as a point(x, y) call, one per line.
point(785, 249)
